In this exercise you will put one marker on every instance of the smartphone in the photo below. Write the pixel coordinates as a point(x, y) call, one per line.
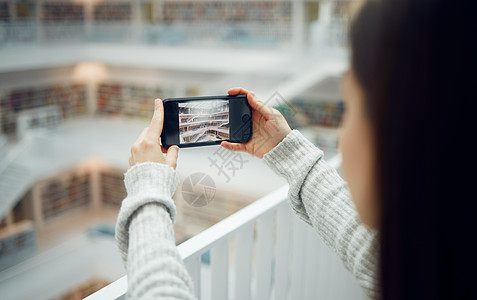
point(208, 120)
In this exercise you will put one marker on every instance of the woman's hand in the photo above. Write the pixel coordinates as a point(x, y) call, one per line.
point(269, 127)
point(148, 148)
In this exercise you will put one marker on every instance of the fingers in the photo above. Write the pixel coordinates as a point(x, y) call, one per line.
point(238, 91)
point(137, 142)
point(254, 102)
point(259, 105)
point(163, 149)
point(142, 135)
point(233, 146)
point(155, 128)
point(171, 156)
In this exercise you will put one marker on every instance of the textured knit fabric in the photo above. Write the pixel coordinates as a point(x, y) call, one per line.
point(145, 235)
point(317, 195)
point(320, 197)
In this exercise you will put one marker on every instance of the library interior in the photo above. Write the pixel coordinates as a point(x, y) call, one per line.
point(78, 79)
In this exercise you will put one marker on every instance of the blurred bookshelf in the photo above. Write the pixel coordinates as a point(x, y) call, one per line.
point(62, 12)
point(65, 192)
point(113, 191)
point(340, 20)
point(112, 22)
point(62, 21)
point(164, 22)
point(315, 111)
point(128, 100)
point(17, 242)
point(18, 233)
point(227, 11)
point(318, 119)
point(25, 10)
point(232, 22)
point(4, 12)
point(70, 98)
point(113, 12)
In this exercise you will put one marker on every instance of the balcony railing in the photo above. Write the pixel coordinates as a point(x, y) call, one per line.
point(261, 252)
point(17, 33)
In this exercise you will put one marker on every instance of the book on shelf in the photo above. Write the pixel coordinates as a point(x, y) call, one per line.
point(65, 192)
point(62, 12)
point(25, 10)
point(113, 12)
point(113, 191)
point(69, 98)
point(128, 100)
point(226, 11)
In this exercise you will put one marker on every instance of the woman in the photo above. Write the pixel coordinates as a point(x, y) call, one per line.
point(406, 95)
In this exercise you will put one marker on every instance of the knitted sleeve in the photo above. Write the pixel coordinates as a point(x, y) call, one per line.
point(145, 235)
point(320, 197)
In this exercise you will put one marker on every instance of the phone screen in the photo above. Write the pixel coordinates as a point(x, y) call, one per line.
point(203, 121)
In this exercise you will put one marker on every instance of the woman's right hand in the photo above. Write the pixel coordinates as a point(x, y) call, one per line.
point(269, 127)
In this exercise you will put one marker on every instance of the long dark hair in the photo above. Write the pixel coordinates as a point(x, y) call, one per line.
point(416, 61)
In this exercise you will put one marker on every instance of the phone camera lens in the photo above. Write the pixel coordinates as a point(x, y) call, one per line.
point(245, 117)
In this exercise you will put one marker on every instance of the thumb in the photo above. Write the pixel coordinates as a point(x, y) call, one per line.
point(171, 156)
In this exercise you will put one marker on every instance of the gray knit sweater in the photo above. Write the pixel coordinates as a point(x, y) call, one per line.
point(317, 194)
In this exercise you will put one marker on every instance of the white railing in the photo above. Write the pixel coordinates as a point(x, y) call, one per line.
point(247, 34)
point(261, 252)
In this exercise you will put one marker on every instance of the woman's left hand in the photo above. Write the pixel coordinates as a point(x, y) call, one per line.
point(148, 148)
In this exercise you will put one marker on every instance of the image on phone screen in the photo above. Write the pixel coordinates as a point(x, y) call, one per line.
point(203, 121)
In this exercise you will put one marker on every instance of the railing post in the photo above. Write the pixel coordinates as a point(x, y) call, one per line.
point(243, 262)
point(219, 258)
point(265, 233)
point(311, 266)
point(282, 256)
point(193, 267)
point(298, 260)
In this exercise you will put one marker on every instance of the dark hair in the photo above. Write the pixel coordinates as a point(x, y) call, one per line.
point(416, 61)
